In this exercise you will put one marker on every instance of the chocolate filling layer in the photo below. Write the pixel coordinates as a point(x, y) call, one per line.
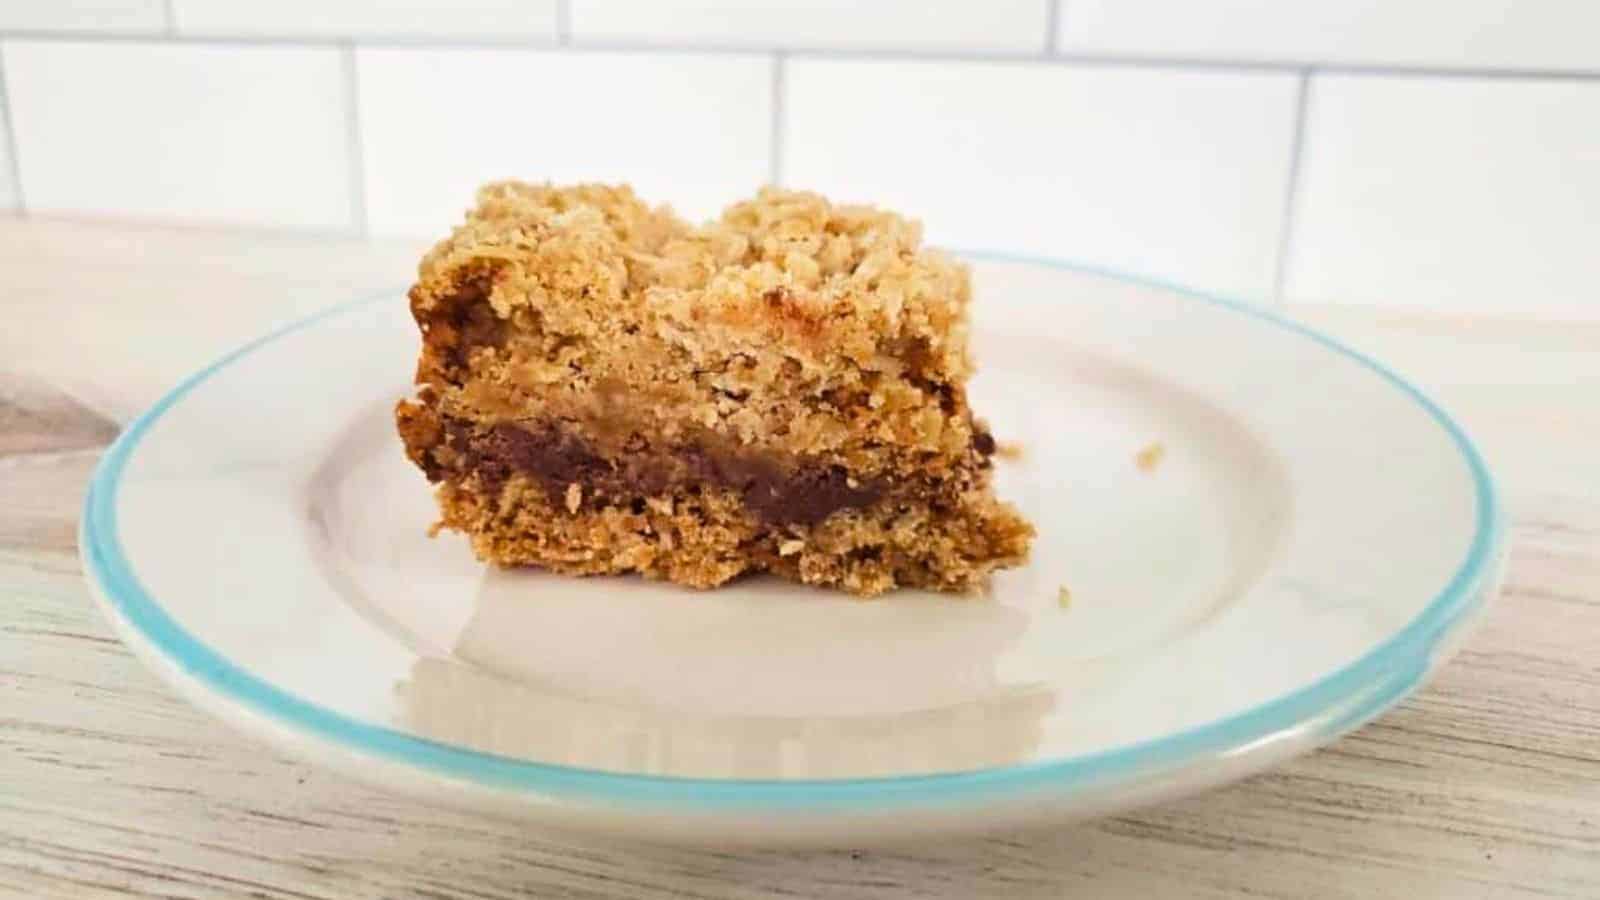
point(802, 493)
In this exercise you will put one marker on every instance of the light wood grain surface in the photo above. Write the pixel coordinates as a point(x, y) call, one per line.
point(1485, 784)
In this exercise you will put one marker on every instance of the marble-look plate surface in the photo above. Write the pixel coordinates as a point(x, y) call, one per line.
point(1251, 540)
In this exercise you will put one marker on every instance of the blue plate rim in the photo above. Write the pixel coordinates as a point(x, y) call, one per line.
point(1372, 682)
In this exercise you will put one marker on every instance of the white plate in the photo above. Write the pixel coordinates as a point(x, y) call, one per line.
point(1309, 545)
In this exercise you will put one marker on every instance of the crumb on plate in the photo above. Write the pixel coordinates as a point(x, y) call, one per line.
point(1149, 459)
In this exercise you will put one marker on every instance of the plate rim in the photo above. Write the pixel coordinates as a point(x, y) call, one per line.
point(1395, 665)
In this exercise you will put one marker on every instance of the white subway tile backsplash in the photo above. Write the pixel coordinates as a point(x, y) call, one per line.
point(83, 15)
point(1456, 193)
point(1528, 34)
point(1007, 25)
point(191, 132)
point(443, 19)
point(1441, 190)
point(8, 187)
point(1174, 174)
point(692, 131)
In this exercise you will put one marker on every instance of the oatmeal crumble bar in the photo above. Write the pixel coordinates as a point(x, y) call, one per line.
point(604, 388)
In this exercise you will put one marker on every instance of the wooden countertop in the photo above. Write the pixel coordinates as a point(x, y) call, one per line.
point(1485, 784)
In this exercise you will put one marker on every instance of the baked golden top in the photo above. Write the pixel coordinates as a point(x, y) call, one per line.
point(825, 280)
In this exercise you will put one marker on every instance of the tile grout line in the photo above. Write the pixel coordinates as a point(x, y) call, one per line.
point(842, 53)
point(1052, 26)
point(171, 12)
point(775, 136)
point(13, 159)
point(114, 219)
point(355, 150)
point(1297, 154)
point(563, 22)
